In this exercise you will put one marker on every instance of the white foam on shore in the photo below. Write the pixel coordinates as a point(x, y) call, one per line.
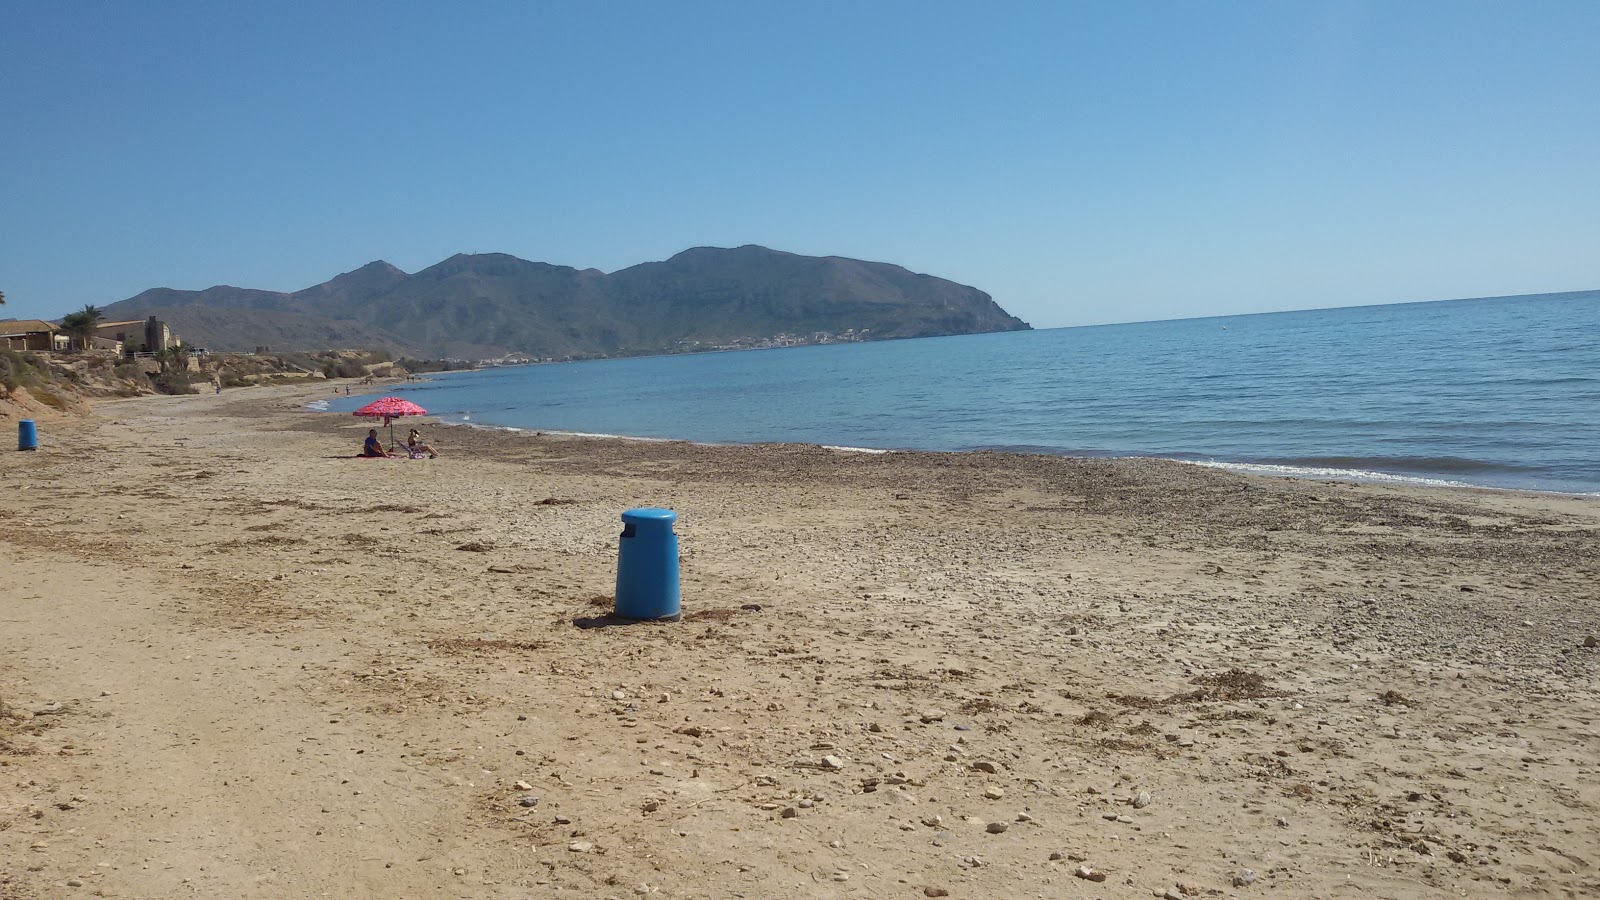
point(575, 434)
point(873, 450)
point(629, 437)
point(1365, 476)
point(1325, 472)
point(317, 406)
point(648, 440)
point(612, 437)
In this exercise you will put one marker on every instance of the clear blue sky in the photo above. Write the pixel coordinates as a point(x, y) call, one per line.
point(1082, 162)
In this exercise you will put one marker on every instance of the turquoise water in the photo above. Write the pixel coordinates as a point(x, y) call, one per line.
point(1501, 392)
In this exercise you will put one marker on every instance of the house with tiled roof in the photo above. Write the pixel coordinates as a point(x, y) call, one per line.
point(32, 334)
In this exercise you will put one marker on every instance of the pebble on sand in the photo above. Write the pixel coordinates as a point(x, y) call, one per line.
point(1089, 874)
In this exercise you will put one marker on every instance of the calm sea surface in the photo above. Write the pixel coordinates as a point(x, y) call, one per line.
point(1501, 392)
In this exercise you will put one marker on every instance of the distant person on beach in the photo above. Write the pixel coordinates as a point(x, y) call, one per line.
point(415, 445)
point(373, 446)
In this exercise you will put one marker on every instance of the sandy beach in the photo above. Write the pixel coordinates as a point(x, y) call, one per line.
point(235, 662)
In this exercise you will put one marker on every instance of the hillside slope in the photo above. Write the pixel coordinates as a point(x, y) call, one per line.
point(494, 304)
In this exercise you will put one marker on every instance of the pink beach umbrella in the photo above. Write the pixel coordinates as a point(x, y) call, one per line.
point(388, 409)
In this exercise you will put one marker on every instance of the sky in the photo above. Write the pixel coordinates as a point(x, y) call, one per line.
point(1081, 162)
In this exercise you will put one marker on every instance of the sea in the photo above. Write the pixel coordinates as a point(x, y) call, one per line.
point(1498, 392)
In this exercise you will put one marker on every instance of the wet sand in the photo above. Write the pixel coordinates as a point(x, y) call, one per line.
point(238, 663)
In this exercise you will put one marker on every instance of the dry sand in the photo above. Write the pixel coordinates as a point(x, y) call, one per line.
point(237, 664)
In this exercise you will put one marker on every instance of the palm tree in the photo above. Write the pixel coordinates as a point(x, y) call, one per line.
point(82, 324)
point(173, 359)
point(2, 298)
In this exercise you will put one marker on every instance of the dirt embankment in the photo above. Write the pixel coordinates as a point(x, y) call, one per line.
point(32, 387)
point(46, 386)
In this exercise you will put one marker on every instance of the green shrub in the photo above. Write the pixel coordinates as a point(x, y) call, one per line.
point(434, 365)
point(297, 361)
point(172, 383)
point(19, 370)
point(48, 399)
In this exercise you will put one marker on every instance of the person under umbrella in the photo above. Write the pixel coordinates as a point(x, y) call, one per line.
point(417, 446)
point(373, 447)
point(388, 409)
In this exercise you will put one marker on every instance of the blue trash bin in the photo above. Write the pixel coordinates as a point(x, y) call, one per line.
point(647, 565)
point(27, 435)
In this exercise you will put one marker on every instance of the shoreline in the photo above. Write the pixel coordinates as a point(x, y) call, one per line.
point(241, 663)
point(1250, 469)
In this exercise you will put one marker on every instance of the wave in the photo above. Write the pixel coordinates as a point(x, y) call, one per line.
point(631, 437)
point(1365, 475)
point(617, 437)
point(463, 421)
point(317, 406)
point(1043, 450)
point(1341, 474)
point(872, 450)
point(1428, 465)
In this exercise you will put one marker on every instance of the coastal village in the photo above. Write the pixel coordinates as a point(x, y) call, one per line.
point(135, 338)
point(782, 339)
point(52, 368)
point(60, 365)
point(141, 348)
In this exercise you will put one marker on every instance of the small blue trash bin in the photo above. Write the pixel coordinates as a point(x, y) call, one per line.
point(27, 435)
point(647, 565)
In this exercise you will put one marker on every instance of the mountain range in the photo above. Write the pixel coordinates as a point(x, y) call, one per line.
point(478, 306)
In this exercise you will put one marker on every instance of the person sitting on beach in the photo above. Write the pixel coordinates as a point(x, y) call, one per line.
point(417, 447)
point(373, 446)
